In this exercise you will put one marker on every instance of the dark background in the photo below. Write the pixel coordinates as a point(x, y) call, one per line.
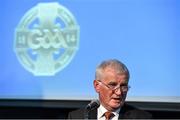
point(52, 109)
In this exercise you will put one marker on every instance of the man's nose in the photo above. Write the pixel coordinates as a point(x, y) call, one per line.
point(118, 91)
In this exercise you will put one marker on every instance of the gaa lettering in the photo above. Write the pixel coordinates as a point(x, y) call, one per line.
point(46, 39)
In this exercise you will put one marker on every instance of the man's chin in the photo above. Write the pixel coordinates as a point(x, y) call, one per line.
point(117, 103)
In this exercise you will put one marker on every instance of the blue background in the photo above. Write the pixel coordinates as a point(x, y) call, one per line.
point(144, 34)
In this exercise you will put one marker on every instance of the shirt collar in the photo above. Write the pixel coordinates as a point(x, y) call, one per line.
point(102, 110)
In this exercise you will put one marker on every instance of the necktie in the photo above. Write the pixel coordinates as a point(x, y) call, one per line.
point(108, 115)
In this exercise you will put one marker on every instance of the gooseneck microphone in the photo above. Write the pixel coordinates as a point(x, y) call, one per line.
point(92, 105)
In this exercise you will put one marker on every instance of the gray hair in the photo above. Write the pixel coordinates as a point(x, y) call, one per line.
point(114, 64)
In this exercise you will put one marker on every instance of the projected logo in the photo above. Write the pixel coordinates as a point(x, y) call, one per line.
point(46, 39)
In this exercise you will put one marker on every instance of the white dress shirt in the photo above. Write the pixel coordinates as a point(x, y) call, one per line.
point(101, 110)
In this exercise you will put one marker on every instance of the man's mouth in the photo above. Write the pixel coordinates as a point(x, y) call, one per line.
point(117, 99)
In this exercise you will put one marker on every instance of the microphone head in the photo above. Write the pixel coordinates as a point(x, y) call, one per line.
point(92, 104)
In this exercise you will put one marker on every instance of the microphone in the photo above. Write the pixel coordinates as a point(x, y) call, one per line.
point(92, 105)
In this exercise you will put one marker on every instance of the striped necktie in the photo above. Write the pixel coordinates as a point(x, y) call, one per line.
point(108, 115)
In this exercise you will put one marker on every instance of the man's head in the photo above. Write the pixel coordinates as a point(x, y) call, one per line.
point(111, 83)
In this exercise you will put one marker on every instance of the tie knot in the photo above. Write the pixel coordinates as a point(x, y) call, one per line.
point(108, 115)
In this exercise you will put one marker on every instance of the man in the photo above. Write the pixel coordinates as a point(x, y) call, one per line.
point(111, 84)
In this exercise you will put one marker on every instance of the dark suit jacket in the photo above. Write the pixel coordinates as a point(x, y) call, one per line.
point(126, 112)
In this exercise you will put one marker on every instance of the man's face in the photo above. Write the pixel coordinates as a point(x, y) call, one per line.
point(109, 98)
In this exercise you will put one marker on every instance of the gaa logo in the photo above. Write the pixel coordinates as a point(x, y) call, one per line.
point(46, 39)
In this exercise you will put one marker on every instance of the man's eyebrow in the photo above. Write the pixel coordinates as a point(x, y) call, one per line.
point(112, 82)
point(124, 83)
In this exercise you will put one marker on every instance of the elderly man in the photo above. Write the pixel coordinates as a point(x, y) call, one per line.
point(111, 84)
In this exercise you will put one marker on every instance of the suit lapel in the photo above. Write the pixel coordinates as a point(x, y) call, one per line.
point(122, 111)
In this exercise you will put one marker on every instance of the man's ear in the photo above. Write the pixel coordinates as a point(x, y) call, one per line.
point(96, 86)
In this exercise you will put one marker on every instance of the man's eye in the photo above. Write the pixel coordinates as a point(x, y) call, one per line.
point(112, 85)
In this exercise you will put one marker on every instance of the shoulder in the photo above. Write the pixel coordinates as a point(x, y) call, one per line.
point(129, 111)
point(76, 114)
point(81, 113)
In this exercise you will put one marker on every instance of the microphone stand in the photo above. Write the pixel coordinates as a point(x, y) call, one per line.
point(86, 114)
point(92, 105)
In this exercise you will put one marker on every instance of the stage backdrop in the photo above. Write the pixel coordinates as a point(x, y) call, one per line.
point(50, 48)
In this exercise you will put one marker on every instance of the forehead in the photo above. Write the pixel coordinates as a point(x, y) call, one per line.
point(111, 75)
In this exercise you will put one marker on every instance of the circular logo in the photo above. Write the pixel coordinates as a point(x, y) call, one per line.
point(46, 39)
